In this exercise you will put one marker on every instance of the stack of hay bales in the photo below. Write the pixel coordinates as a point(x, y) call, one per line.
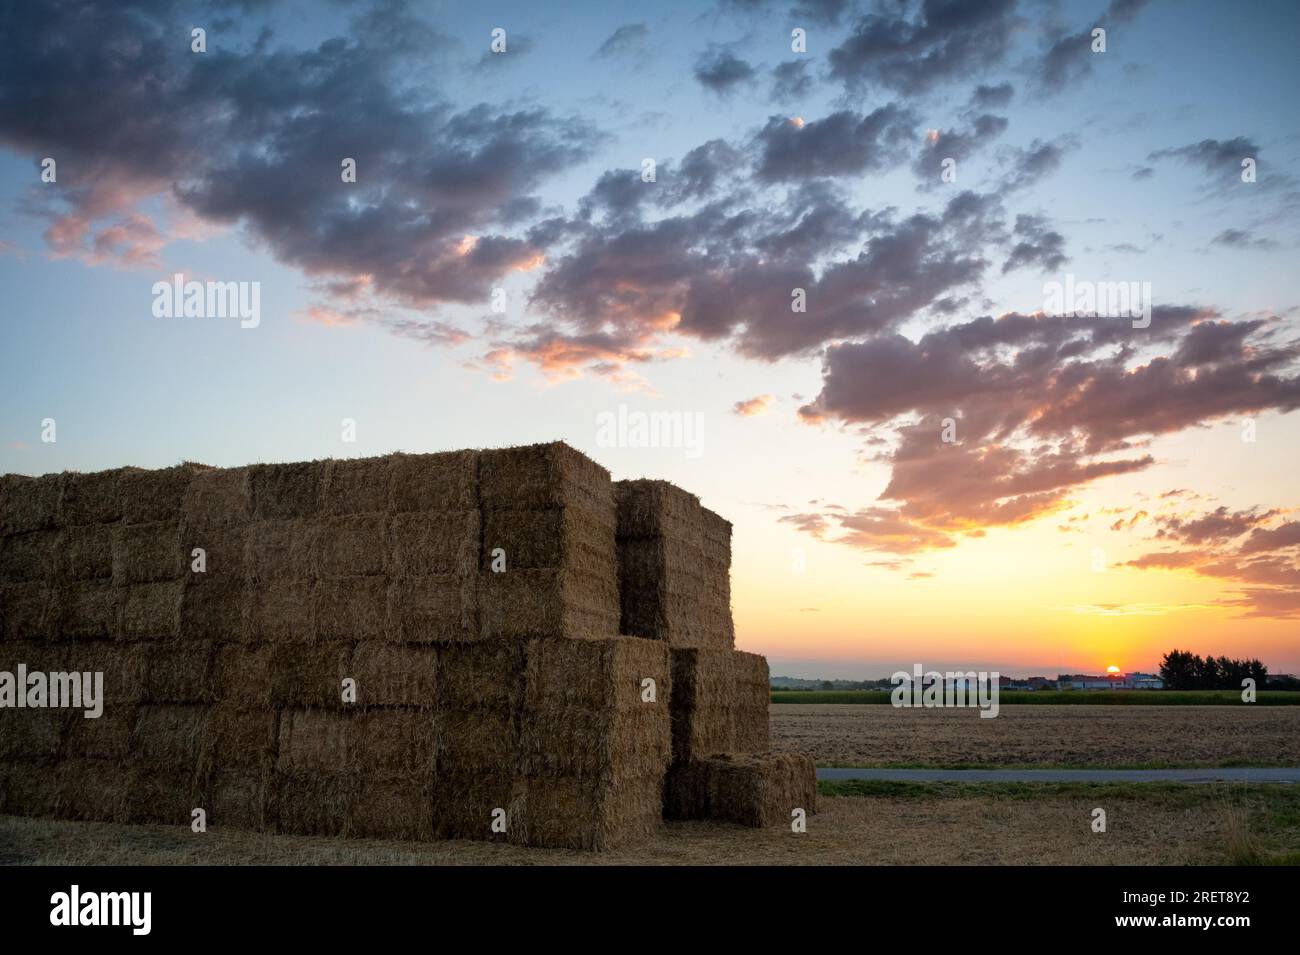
point(412, 646)
point(674, 584)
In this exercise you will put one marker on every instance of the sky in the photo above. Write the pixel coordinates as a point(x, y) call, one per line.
point(823, 234)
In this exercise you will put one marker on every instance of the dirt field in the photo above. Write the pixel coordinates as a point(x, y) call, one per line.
point(1026, 735)
point(1150, 827)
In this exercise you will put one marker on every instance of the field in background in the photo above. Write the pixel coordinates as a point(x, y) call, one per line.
point(1116, 736)
point(1065, 697)
point(863, 823)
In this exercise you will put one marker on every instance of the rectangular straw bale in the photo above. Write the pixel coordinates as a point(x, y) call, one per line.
point(753, 693)
point(394, 808)
point(314, 803)
point(148, 496)
point(35, 654)
point(240, 799)
point(393, 742)
point(561, 739)
point(573, 538)
point(463, 806)
point(245, 674)
point(34, 555)
point(434, 542)
point(145, 553)
point(352, 546)
point(390, 674)
point(435, 608)
point(89, 552)
point(486, 674)
point(92, 788)
point(34, 733)
point(351, 608)
point(314, 741)
point(214, 610)
point(543, 476)
point(598, 674)
point(29, 503)
point(584, 814)
point(281, 611)
point(538, 603)
point(447, 481)
point(754, 790)
point(107, 737)
point(703, 698)
point(236, 737)
point(217, 497)
point(224, 552)
point(310, 675)
point(88, 610)
point(29, 611)
point(286, 491)
point(356, 486)
point(93, 498)
point(124, 666)
point(164, 795)
point(475, 740)
point(649, 508)
point(28, 787)
point(280, 550)
point(181, 672)
point(169, 736)
point(150, 611)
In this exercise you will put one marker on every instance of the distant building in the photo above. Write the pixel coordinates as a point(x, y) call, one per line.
point(1110, 681)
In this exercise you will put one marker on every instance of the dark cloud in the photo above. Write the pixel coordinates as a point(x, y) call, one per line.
point(1241, 239)
point(992, 97)
point(791, 81)
point(958, 144)
point(1221, 158)
point(845, 143)
point(1069, 57)
point(1037, 245)
point(925, 45)
point(627, 40)
point(721, 71)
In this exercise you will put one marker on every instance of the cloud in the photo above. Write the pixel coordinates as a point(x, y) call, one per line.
point(1069, 57)
point(987, 97)
point(844, 143)
point(1036, 245)
point(792, 81)
point(1220, 158)
point(1240, 239)
point(721, 71)
point(627, 40)
point(958, 144)
point(752, 407)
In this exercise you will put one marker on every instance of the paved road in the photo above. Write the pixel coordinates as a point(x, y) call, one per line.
point(1233, 774)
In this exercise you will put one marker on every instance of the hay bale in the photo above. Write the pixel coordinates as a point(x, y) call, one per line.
point(541, 476)
point(33, 556)
point(107, 737)
point(87, 610)
point(29, 503)
point(90, 788)
point(751, 727)
point(314, 741)
point(434, 482)
point(434, 542)
point(240, 799)
point(164, 796)
point(281, 611)
point(94, 498)
point(485, 674)
point(463, 807)
point(599, 674)
point(28, 787)
point(238, 738)
point(124, 666)
point(159, 495)
point(571, 538)
point(29, 611)
point(547, 603)
point(653, 509)
point(309, 675)
point(214, 610)
point(180, 673)
point(225, 548)
point(89, 552)
point(703, 699)
point(394, 675)
point(393, 743)
point(169, 736)
point(353, 608)
point(575, 813)
point(394, 808)
point(748, 789)
point(150, 611)
point(280, 550)
point(146, 553)
point(441, 607)
point(217, 497)
point(354, 546)
point(314, 804)
point(245, 675)
point(356, 486)
point(34, 733)
point(474, 741)
point(286, 491)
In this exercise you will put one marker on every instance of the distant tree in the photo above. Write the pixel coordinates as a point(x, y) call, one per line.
point(827, 685)
point(1182, 670)
point(1177, 671)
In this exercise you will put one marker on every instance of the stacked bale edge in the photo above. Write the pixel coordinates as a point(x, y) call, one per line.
point(223, 687)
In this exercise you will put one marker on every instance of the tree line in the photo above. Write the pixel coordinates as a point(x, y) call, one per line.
point(1189, 671)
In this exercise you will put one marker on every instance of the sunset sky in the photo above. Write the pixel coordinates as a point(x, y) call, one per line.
point(1112, 492)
